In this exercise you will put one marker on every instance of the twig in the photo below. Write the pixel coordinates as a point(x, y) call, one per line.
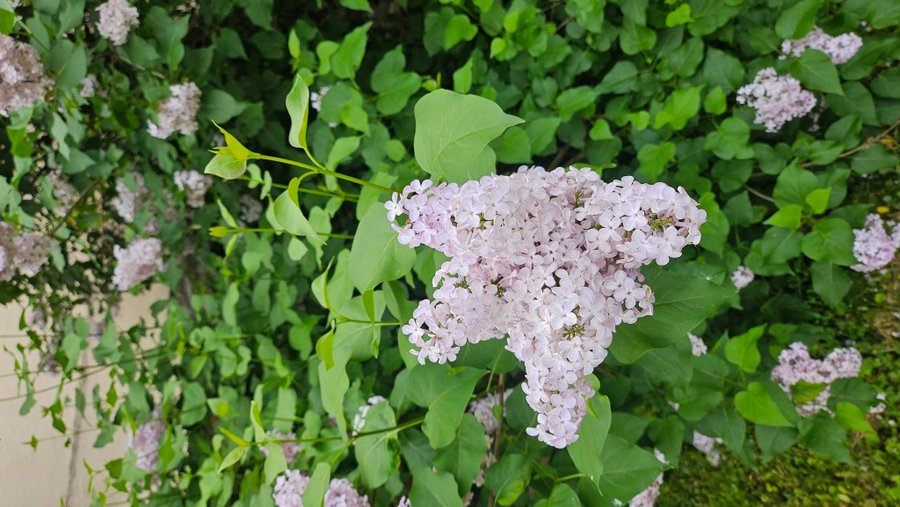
point(759, 194)
point(864, 146)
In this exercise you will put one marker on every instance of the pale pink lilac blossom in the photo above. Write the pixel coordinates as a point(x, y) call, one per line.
point(177, 113)
point(7, 252)
point(141, 260)
point(698, 347)
point(63, 191)
point(251, 209)
point(117, 18)
point(32, 250)
point(315, 98)
point(22, 78)
point(291, 450)
point(741, 277)
point(777, 99)
point(647, 498)
point(873, 246)
point(290, 486)
point(796, 365)
point(359, 420)
point(89, 86)
point(145, 441)
point(707, 446)
point(548, 258)
point(129, 201)
point(194, 185)
point(839, 48)
point(404, 502)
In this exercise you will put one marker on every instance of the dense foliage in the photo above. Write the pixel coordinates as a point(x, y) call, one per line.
point(281, 367)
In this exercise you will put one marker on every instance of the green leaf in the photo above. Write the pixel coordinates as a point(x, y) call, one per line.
point(620, 79)
point(680, 107)
point(830, 282)
point(818, 200)
point(600, 131)
point(458, 29)
point(349, 54)
point(773, 441)
point(586, 451)
point(7, 20)
point(433, 488)
point(513, 147)
point(463, 456)
point(445, 392)
point(357, 5)
point(634, 38)
point(831, 240)
point(297, 103)
point(730, 140)
point(682, 302)
point(289, 215)
point(462, 77)
point(509, 477)
point(340, 150)
point(793, 185)
point(805, 392)
point(376, 256)
point(654, 158)
point(742, 350)
point(573, 100)
point(798, 19)
point(851, 417)
point(816, 72)
point(680, 16)
point(541, 133)
point(67, 62)
point(231, 458)
point(823, 435)
point(275, 462)
point(715, 101)
point(393, 86)
point(628, 469)
point(452, 134)
point(314, 496)
point(756, 406)
point(220, 106)
point(789, 217)
point(373, 453)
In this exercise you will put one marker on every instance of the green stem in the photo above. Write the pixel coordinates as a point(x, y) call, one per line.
point(265, 229)
point(326, 172)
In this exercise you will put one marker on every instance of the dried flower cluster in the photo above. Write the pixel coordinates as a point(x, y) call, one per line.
point(548, 258)
point(290, 485)
point(177, 113)
point(795, 365)
point(647, 498)
point(707, 445)
point(117, 18)
point(22, 78)
point(141, 260)
point(291, 450)
point(26, 253)
point(777, 99)
point(741, 277)
point(874, 247)
point(840, 48)
point(194, 185)
point(145, 442)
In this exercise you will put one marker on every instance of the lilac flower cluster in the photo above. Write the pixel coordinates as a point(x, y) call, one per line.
point(117, 17)
point(873, 247)
point(145, 442)
point(26, 253)
point(291, 450)
point(707, 445)
point(741, 277)
point(840, 48)
point(251, 209)
point(63, 191)
point(777, 99)
point(290, 485)
point(89, 86)
point(549, 258)
point(647, 498)
point(698, 346)
point(177, 113)
point(315, 98)
point(359, 420)
point(795, 365)
point(130, 201)
point(141, 260)
point(22, 78)
point(194, 185)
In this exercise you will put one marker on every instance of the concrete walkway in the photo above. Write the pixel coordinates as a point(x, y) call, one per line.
point(53, 474)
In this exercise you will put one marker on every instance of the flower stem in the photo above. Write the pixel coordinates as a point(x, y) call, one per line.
point(326, 172)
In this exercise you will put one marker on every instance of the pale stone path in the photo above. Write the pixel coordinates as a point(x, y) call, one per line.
point(54, 473)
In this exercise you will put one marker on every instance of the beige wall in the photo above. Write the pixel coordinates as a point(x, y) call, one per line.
point(54, 472)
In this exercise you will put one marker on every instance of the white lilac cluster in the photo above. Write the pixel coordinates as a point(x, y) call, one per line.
point(128, 202)
point(647, 498)
point(698, 346)
point(359, 420)
point(795, 365)
point(251, 209)
point(145, 442)
point(22, 78)
point(26, 253)
point(873, 247)
point(548, 258)
point(741, 277)
point(194, 185)
point(117, 17)
point(89, 86)
point(141, 260)
point(404, 502)
point(290, 485)
point(840, 48)
point(315, 98)
point(291, 450)
point(777, 99)
point(64, 193)
point(177, 113)
point(486, 412)
point(707, 445)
